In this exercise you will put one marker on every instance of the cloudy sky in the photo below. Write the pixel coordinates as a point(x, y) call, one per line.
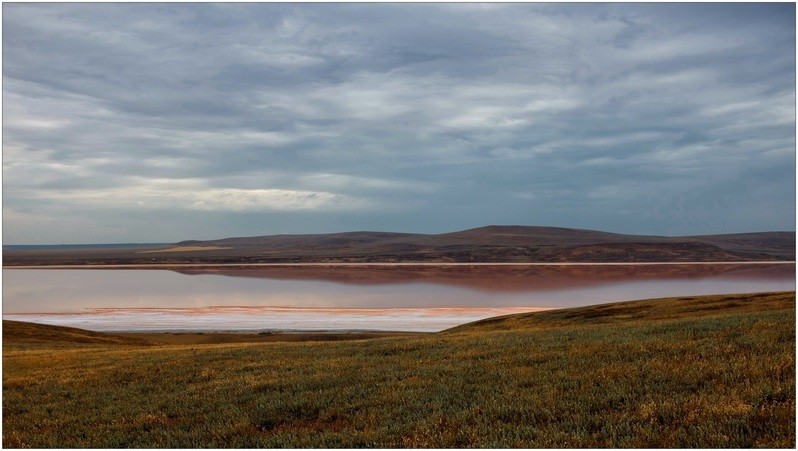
point(162, 122)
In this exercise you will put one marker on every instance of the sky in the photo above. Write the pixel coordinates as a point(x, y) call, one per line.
point(148, 122)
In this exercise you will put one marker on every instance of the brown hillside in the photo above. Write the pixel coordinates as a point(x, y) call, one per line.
point(18, 332)
point(506, 244)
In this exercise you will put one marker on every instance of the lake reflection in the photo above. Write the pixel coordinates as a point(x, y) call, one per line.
point(328, 298)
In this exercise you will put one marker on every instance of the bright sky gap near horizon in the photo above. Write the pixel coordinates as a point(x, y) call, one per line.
point(148, 122)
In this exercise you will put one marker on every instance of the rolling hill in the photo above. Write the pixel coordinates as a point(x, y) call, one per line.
point(39, 334)
point(510, 244)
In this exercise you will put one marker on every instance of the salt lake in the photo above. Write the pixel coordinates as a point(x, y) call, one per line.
point(360, 297)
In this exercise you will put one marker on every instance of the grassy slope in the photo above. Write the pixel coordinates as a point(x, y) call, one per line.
point(29, 335)
point(714, 371)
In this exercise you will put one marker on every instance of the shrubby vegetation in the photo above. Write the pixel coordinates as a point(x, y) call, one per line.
point(716, 371)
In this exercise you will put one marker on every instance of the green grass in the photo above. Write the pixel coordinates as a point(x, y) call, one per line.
point(714, 371)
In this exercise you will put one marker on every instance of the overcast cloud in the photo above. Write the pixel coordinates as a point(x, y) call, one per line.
point(147, 122)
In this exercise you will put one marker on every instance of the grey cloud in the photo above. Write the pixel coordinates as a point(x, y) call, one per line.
point(426, 117)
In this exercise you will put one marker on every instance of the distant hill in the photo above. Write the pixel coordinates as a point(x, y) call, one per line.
point(511, 244)
point(516, 244)
point(46, 247)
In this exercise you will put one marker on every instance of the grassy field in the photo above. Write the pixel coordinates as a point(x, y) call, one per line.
point(715, 371)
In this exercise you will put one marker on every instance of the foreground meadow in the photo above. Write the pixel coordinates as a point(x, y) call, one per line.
point(713, 371)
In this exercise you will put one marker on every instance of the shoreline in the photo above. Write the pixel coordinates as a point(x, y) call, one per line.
point(230, 337)
point(265, 321)
point(383, 264)
point(212, 336)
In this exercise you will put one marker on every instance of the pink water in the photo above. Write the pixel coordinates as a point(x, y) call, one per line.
point(348, 298)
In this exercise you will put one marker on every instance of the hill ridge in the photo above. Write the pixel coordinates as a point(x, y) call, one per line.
point(517, 243)
point(487, 244)
point(493, 228)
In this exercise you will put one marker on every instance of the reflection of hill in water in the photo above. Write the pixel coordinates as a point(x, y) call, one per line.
point(506, 278)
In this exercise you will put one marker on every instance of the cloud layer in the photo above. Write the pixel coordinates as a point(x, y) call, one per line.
point(163, 122)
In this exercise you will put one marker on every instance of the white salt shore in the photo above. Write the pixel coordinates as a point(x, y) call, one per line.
point(269, 318)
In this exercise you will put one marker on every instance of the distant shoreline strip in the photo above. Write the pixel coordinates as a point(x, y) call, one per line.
point(348, 264)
